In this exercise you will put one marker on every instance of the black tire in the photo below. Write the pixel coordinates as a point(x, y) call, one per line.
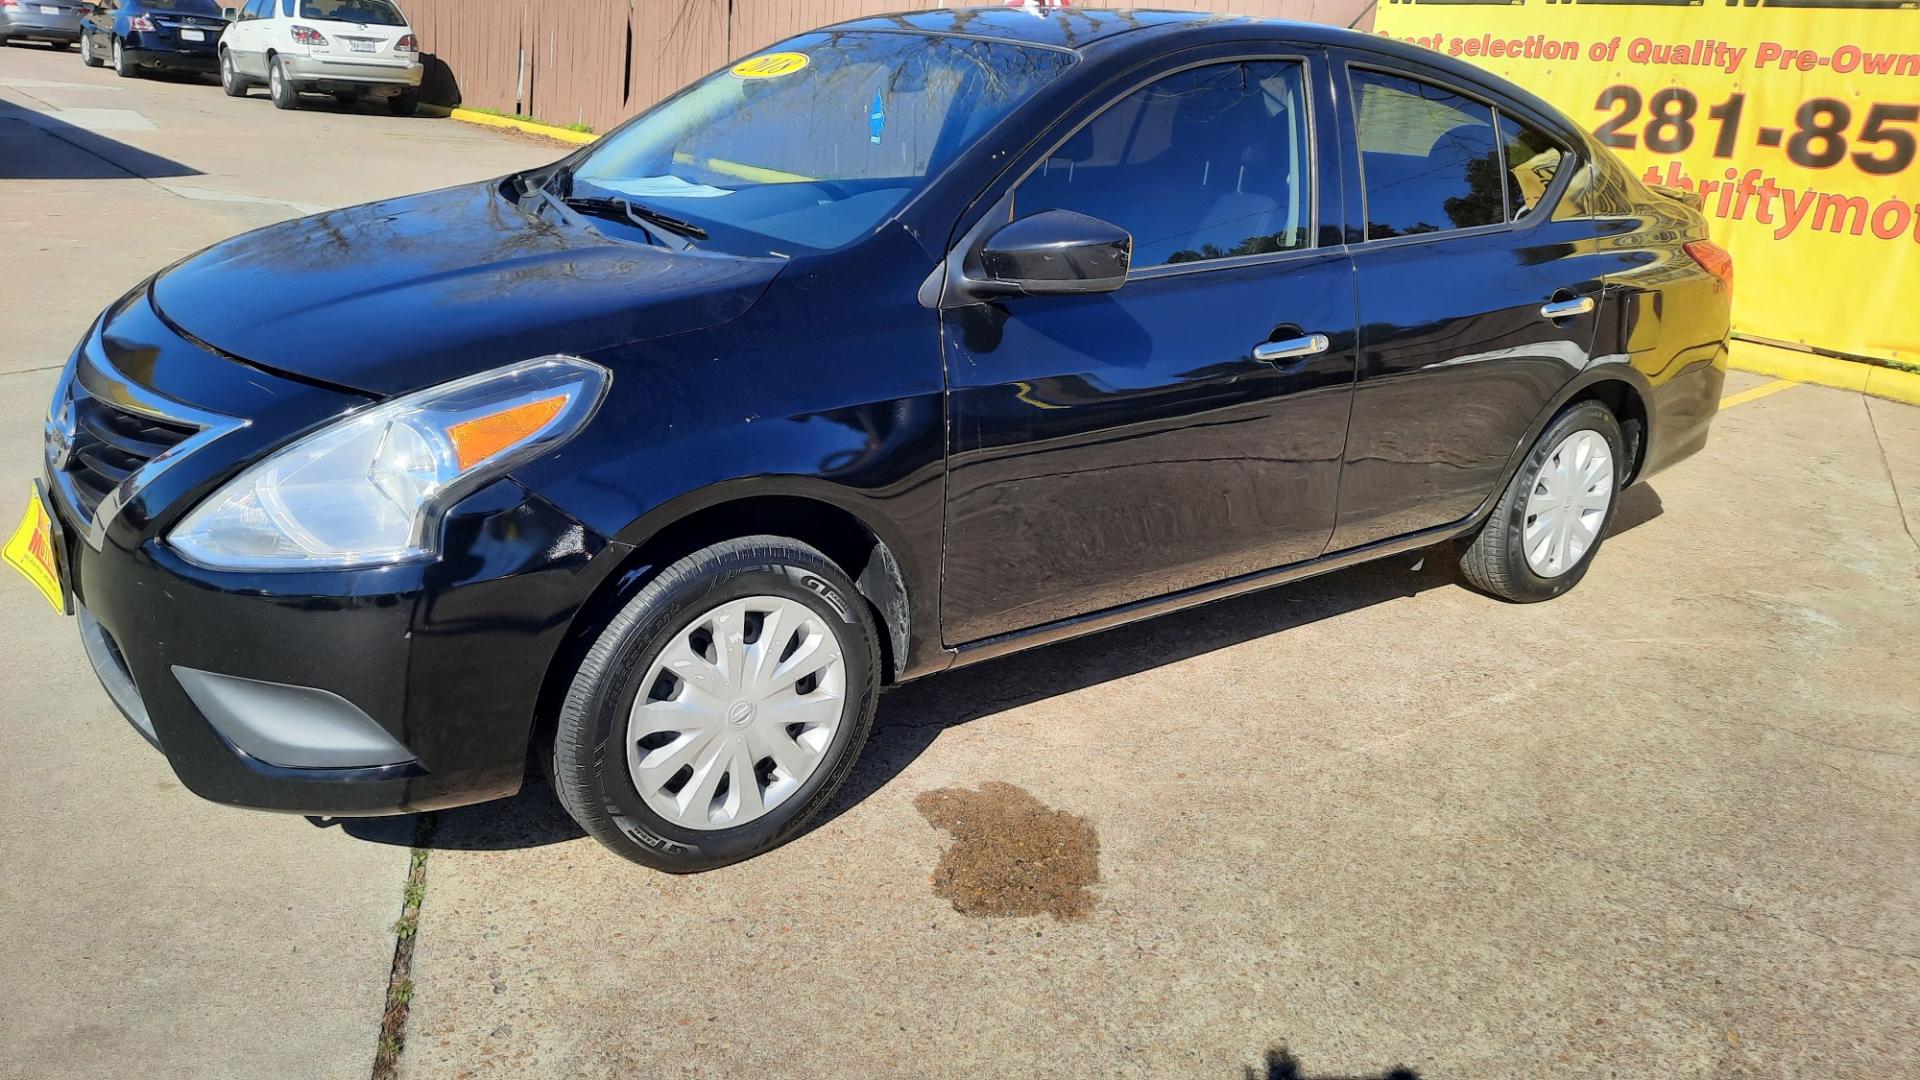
point(120, 65)
point(280, 88)
point(1495, 561)
point(59, 46)
point(232, 82)
point(404, 103)
point(87, 55)
point(589, 759)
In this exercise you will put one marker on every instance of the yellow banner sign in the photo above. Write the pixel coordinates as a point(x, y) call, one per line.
point(1797, 125)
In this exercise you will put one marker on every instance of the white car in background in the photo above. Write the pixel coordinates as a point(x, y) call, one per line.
point(352, 49)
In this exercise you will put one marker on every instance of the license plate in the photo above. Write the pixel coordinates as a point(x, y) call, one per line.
point(193, 35)
point(35, 552)
point(49, 9)
point(362, 46)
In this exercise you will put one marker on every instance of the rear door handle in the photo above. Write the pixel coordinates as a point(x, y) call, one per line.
point(1567, 309)
point(1291, 348)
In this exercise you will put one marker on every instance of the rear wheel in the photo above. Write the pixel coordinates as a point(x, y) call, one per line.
point(59, 46)
point(87, 55)
point(121, 66)
point(404, 103)
point(721, 708)
point(1543, 533)
point(230, 78)
point(279, 87)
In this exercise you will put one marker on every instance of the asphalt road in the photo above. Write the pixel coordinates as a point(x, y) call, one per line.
point(1666, 825)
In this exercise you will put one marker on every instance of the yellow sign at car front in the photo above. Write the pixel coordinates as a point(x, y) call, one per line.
point(1797, 126)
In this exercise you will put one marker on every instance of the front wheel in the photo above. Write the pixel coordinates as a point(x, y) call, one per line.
point(230, 80)
point(280, 88)
point(59, 46)
point(1543, 533)
point(721, 709)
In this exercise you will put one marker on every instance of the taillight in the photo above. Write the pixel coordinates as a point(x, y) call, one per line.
point(307, 35)
point(9, 4)
point(140, 22)
point(1713, 259)
point(407, 44)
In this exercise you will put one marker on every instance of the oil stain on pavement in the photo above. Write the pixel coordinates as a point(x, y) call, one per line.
point(1011, 854)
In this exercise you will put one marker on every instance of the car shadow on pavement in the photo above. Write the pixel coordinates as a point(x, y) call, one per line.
point(40, 146)
point(911, 717)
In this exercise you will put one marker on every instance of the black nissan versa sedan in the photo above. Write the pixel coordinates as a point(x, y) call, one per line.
point(906, 343)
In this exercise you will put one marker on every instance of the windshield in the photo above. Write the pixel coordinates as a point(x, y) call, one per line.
point(366, 12)
point(816, 141)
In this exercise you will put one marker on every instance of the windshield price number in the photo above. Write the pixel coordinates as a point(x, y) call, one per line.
point(1884, 145)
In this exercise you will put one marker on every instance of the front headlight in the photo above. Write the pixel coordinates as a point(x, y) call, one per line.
point(369, 489)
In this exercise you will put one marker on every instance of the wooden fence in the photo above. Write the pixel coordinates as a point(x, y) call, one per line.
point(597, 62)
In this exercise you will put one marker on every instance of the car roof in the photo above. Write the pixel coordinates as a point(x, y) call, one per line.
point(1060, 28)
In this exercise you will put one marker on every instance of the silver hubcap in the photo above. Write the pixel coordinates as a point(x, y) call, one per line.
point(736, 712)
point(279, 80)
point(1568, 503)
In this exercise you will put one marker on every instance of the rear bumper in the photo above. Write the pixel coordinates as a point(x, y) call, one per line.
point(325, 73)
point(19, 27)
point(172, 59)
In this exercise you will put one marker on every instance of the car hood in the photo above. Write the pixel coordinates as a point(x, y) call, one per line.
point(397, 295)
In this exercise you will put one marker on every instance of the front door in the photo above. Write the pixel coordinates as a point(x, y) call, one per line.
point(1476, 283)
point(1111, 448)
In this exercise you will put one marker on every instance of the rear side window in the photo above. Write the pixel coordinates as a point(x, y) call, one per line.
point(1533, 162)
point(1209, 163)
point(1429, 158)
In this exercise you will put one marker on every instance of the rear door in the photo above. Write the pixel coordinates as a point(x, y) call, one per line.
point(1111, 448)
point(1476, 284)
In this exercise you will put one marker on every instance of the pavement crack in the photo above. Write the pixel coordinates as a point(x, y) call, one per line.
point(1886, 466)
point(1784, 730)
point(399, 999)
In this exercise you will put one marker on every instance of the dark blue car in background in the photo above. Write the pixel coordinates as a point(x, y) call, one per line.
point(165, 35)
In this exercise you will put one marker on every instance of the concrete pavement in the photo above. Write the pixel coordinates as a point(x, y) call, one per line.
point(1665, 825)
point(142, 930)
point(1662, 826)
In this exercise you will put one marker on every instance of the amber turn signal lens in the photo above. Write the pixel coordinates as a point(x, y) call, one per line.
point(478, 439)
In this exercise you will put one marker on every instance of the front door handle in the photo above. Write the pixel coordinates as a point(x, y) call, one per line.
point(1567, 309)
point(1291, 348)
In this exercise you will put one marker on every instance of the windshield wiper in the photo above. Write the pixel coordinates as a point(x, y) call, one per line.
point(649, 215)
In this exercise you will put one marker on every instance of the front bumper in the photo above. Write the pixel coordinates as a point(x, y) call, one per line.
point(388, 690)
point(326, 73)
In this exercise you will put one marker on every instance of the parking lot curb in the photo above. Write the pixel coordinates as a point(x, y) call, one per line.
point(1862, 378)
point(548, 130)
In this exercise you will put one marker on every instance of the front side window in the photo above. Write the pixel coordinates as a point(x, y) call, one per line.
point(1429, 158)
point(1209, 163)
point(816, 141)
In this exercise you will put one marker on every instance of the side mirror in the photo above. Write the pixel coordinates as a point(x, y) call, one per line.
point(1055, 252)
point(230, 13)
